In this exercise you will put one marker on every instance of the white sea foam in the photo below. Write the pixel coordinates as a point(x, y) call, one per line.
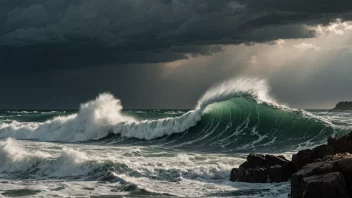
point(69, 162)
point(14, 159)
point(74, 169)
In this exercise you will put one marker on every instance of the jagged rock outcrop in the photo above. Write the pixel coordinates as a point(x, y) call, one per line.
point(324, 171)
point(342, 144)
point(344, 105)
point(332, 177)
point(302, 158)
point(323, 179)
point(263, 169)
point(325, 186)
point(308, 156)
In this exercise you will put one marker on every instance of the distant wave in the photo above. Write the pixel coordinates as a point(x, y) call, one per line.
point(238, 113)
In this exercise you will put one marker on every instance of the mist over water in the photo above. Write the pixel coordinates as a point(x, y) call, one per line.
point(103, 149)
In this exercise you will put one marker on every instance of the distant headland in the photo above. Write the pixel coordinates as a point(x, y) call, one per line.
point(344, 105)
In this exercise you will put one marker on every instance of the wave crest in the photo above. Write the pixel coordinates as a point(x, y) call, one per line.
point(103, 116)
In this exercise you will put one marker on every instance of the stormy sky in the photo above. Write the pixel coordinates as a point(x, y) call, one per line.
point(166, 53)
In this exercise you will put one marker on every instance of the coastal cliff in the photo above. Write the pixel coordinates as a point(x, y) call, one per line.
point(345, 105)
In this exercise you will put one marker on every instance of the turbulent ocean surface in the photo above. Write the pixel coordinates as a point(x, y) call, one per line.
point(102, 150)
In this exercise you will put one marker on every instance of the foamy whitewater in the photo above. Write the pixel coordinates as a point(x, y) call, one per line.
point(102, 150)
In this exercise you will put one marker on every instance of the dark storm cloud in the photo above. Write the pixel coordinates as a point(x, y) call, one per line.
point(46, 34)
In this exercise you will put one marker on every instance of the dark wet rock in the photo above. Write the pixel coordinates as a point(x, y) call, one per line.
point(263, 169)
point(254, 161)
point(317, 154)
point(316, 160)
point(329, 176)
point(298, 184)
point(258, 175)
point(345, 167)
point(327, 158)
point(308, 156)
point(271, 160)
point(281, 156)
point(252, 175)
point(321, 151)
point(235, 175)
point(239, 174)
point(332, 141)
point(342, 144)
point(325, 185)
point(302, 158)
point(279, 168)
point(312, 169)
point(278, 174)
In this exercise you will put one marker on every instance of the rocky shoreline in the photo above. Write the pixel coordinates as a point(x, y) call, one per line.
point(324, 171)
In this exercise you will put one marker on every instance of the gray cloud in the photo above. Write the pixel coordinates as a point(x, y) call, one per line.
point(299, 77)
point(43, 34)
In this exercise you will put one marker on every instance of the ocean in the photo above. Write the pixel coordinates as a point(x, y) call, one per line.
point(102, 150)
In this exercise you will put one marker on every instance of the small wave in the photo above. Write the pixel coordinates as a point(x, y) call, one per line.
point(18, 161)
point(21, 112)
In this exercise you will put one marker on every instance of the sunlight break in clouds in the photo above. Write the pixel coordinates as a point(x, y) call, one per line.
point(337, 27)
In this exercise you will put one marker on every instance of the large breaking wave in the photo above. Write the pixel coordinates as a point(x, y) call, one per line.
point(237, 114)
